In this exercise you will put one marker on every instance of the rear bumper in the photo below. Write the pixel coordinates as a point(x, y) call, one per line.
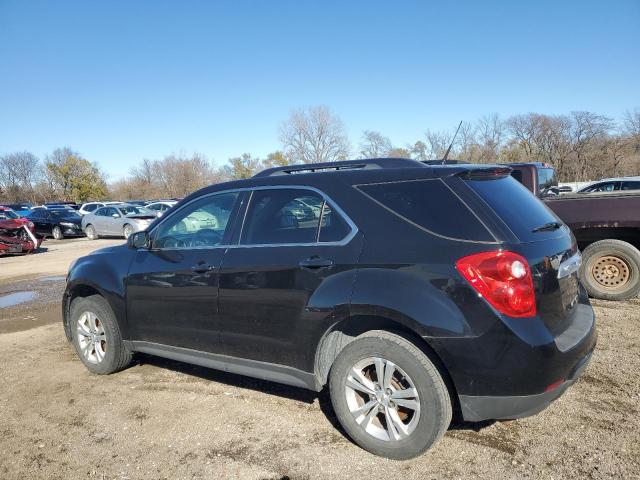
point(477, 408)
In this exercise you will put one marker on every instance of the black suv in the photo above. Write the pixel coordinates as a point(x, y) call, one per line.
point(413, 291)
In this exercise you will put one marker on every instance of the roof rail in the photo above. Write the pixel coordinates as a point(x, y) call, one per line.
point(368, 163)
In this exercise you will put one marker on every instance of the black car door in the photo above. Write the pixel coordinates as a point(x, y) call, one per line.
point(172, 287)
point(292, 244)
point(40, 219)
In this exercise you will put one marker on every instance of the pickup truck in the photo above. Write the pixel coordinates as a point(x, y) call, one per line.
point(606, 226)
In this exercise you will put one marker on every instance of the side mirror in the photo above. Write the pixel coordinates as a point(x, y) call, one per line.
point(115, 215)
point(139, 240)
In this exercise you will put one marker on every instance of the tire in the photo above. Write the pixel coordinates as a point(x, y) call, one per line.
point(90, 232)
point(423, 425)
point(57, 233)
point(611, 270)
point(91, 318)
point(127, 231)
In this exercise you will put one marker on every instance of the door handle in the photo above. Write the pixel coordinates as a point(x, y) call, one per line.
point(202, 268)
point(315, 263)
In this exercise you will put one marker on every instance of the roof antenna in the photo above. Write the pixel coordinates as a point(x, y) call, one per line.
point(444, 159)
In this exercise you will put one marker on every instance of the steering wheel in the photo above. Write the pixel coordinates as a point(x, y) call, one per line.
point(172, 242)
point(208, 237)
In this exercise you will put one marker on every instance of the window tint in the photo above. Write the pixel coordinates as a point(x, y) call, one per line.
point(101, 212)
point(603, 187)
point(430, 204)
point(516, 206)
point(631, 185)
point(203, 223)
point(282, 216)
point(91, 207)
point(110, 211)
point(333, 227)
point(8, 214)
point(546, 178)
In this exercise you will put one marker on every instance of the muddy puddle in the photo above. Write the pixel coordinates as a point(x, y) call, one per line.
point(16, 298)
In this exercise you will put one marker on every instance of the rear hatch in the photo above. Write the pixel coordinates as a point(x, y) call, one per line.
point(530, 228)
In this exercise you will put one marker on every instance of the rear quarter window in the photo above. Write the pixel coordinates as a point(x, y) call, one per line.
point(430, 205)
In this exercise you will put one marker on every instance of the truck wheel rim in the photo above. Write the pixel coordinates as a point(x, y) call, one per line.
point(383, 399)
point(91, 338)
point(611, 271)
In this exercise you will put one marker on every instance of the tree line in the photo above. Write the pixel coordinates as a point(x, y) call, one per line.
point(580, 145)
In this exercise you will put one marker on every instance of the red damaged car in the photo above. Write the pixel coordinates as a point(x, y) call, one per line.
point(17, 235)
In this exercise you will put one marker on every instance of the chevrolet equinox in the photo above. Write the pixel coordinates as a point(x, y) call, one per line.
point(414, 292)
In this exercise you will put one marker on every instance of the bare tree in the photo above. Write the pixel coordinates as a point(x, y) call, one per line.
point(374, 145)
point(491, 133)
point(437, 143)
point(19, 174)
point(314, 135)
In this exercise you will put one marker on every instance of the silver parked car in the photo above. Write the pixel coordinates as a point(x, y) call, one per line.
point(116, 220)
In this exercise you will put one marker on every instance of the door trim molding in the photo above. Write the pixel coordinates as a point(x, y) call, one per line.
point(241, 366)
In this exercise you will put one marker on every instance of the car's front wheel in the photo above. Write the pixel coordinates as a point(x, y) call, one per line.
point(389, 396)
point(127, 231)
point(57, 233)
point(90, 232)
point(96, 335)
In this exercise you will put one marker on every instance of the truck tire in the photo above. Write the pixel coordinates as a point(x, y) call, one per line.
point(96, 336)
point(611, 270)
point(400, 415)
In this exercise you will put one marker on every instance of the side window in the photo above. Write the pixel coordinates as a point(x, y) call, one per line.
point(631, 185)
point(91, 207)
point(604, 187)
point(201, 224)
point(155, 207)
point(291, 216)
point(100, 212)
point(110, 211)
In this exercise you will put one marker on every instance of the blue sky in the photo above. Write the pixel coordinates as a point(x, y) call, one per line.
point(124, 80)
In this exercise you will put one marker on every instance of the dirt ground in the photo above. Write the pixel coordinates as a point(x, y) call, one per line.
point(162, 419)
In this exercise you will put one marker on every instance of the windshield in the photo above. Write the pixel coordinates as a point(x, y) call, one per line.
point(523, 212)
point(8, 215)
point(64, 213)
point(133, 210)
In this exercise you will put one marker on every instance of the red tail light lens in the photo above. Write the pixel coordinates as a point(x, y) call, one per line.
point(503, 278)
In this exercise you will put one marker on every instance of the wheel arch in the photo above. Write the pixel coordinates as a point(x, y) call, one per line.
point(338, 336)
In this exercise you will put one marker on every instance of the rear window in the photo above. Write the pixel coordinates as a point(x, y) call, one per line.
point(431, 205)
point(518, 207)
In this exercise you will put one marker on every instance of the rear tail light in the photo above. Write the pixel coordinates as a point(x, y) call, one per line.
point(503, 278)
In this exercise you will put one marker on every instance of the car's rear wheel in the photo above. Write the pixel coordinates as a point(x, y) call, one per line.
point(57, 233)
point(127, 231)
point(96, 335)
point(91, 233)
point(611, 270)
point(389, 396)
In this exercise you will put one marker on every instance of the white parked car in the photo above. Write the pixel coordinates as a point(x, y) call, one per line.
point(161, 206)
point(91, 207)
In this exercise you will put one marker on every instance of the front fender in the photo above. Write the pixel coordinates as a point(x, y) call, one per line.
point(101, 273)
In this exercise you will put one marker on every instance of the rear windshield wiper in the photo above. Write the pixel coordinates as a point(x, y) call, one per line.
point(547, 227)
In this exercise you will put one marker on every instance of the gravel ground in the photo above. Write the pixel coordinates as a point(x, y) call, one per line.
point(163, 419)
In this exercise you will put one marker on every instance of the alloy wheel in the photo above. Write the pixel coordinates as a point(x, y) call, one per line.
point(383, 399)
point(91, 337)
